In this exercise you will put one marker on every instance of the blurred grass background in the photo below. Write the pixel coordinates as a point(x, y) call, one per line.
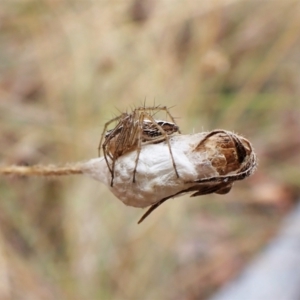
point(66, 67)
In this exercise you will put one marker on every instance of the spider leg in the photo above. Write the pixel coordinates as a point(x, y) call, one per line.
point(159, 108)
point(106, 155)
point(118, 148)
point(105, 129)
point(139, 142)
point(170, 116)
point(130, 133)
point(171, 153)
point(166, 137)
point(123, 143)
point(167, 110)
point(108, 166)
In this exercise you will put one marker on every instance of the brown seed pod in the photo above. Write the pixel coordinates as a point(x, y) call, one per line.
point(207, 162)
point(230, 155)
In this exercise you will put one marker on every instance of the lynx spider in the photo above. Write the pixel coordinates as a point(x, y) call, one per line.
point(134, 130)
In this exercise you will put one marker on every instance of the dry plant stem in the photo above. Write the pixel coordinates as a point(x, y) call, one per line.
point(207, 162)
point(40, 170)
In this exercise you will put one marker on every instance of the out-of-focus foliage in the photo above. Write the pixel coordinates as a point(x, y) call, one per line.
point(66, 67)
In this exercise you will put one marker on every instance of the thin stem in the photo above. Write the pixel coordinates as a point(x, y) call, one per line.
point(40, 170)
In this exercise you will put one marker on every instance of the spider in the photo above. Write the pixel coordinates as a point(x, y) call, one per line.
point(132, 131)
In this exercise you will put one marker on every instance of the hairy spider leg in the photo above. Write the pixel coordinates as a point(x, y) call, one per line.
point(105, 129)
point(122, 138)
point(162, 108)
point(105, 146)
point(166, 138)
point(129, 132)
point(139, 144)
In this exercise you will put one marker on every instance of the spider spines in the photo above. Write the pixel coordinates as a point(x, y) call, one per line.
point(133, 130)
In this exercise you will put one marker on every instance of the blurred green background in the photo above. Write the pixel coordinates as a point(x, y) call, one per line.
point(69, 66)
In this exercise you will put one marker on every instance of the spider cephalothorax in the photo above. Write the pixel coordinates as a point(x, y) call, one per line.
point(132, 131)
